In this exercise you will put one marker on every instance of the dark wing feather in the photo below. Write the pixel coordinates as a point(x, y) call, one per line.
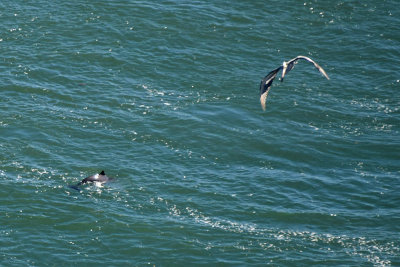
point(266, 85)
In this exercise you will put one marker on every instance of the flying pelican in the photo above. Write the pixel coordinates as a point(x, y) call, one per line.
point(286, 67)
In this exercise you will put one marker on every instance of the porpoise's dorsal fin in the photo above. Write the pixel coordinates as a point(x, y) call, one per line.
point(102, 173)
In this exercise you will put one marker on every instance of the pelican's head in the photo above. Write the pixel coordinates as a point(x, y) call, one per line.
point(284, 67)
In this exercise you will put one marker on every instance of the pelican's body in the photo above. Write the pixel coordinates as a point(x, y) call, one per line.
point(286, 67)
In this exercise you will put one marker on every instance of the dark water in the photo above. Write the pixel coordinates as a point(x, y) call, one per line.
point(163, 96)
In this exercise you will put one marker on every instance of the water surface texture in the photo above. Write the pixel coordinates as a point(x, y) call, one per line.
point(163, 96)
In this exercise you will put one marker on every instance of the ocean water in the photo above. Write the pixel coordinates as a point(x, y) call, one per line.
point(164, 97)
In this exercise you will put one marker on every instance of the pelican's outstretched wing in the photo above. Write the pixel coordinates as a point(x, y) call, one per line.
point(287, 66)
point(266, 85)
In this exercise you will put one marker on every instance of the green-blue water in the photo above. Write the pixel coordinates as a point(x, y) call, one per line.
point(163, 96)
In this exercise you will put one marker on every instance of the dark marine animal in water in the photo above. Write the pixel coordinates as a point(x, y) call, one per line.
point(98, 179)
point(286, 67)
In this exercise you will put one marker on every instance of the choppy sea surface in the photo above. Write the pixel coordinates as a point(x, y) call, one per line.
point(164, 97)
